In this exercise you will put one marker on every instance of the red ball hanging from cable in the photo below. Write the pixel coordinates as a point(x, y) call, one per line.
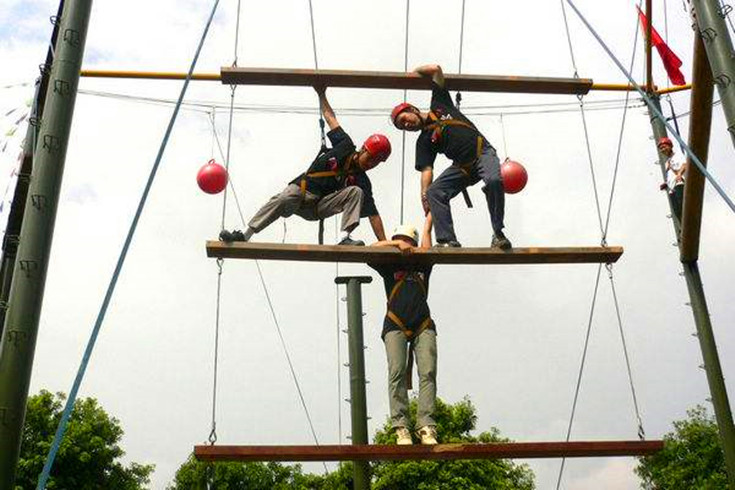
point(514, 176)
point(212, 177)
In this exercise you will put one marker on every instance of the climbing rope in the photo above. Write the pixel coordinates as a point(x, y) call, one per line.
point(654, 110)
point(61, 429)
point(458, 96)
point(316, 67)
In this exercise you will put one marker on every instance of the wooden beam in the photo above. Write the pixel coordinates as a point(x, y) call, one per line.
point(700, 124)
point(340, 253)
point(522, 450)
point(401, 80)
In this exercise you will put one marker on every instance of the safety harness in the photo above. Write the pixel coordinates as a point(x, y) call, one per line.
point(340, 175)
point(410, 334)
point(437, 126)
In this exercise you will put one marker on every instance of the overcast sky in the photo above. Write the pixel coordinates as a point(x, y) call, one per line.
point(510, 337)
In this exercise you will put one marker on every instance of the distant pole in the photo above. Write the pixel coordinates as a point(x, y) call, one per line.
point(18, 342)
point(649, 42)
point(358, 404)
point(709, 18)
point(706, 336)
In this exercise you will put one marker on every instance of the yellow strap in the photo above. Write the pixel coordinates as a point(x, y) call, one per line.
point(480, 144)
point(399, 322)
point(302, 185)
point(395, 290)
point(326, 173)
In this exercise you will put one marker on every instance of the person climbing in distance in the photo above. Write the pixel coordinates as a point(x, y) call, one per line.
point(335, 182)
point(676, 168)
point(444, 129)
point(408, 332)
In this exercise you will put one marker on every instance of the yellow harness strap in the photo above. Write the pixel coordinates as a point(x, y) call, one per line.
point(324, 174)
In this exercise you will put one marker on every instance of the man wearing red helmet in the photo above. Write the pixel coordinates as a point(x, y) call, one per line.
point(335, 182)
point(676, 168)
point(444, 129)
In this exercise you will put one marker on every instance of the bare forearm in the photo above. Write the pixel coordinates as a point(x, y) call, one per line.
point(434, 72)
point(386, 243)
point(426, 233)
point(427, 177)
point(327, 111)
point(376, 223)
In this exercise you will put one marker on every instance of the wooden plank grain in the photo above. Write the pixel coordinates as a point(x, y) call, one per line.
point(401, 80)
point(339, 253)
point(574, 449)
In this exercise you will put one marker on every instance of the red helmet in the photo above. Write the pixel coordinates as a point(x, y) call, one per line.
point(378, 146)
point(400, 108)
point(664, 141)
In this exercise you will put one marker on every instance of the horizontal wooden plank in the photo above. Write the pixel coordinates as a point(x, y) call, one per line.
point(381, 255)
point(401, 80)
point(524, 450)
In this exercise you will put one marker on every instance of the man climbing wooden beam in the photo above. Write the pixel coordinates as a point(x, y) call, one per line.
point(336, 182)
point(444, 129)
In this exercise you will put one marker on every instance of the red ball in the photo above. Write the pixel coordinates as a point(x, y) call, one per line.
point(514, 176)
point(212, 178)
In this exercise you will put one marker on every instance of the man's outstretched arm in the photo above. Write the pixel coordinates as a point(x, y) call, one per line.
point(376, 222)
point(431, 71)
point(326, 109)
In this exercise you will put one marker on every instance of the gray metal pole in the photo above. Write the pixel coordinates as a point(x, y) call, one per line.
point(706, 336)
point(358, 404)
point(18, 342)
point(709, 18)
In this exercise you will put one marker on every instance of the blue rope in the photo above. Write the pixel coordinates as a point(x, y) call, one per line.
point(655, 111)
point(61, 429)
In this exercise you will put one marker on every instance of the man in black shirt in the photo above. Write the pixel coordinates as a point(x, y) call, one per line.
point(409, 331)
point(335, 182)
point(444, 129)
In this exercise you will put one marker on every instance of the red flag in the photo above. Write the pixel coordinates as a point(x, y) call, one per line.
point(672, 63)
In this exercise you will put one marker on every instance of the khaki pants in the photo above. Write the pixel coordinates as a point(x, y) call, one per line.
point(396, 349)
point(347, 201)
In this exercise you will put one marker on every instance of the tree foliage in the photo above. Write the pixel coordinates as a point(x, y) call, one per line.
point(692, 457)
point(88, 457)
point(454, 424)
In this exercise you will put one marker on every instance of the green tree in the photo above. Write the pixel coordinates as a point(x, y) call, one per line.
point(454, 424)
point(692, 457)
point(88, 458)
point(194, 475)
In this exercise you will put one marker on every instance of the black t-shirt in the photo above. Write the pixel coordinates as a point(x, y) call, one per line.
point(336, 159)
point(458, 143)
point(410, 302)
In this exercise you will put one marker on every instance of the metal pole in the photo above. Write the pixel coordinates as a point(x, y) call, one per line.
point(706, 337)
point(649, 38)
point(17, 208)
point(709, 22)
point(18, 342)
point(358, 403)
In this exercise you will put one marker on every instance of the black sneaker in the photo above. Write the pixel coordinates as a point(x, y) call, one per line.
point(449, 244)
point(349, 241)
point(225, 236)
point(501, 241)
point(238, 236)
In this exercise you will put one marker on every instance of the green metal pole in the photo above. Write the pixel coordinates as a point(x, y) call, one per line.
point(18, 342)
point(358, 404)
point(705, 334)
point(709, 18)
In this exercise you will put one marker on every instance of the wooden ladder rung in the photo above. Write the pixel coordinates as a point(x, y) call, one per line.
point(523, 450)
point(340, 253)
point(400, 80)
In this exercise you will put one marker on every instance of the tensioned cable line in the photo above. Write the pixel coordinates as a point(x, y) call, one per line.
point(405, 96)
point(61, 429)
point(270, 302)
point(655, 110)
point(603, 240)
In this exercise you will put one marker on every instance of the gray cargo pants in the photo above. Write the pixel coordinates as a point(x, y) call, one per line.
point(396, 349)
point(347, 201)
point(452, 181)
